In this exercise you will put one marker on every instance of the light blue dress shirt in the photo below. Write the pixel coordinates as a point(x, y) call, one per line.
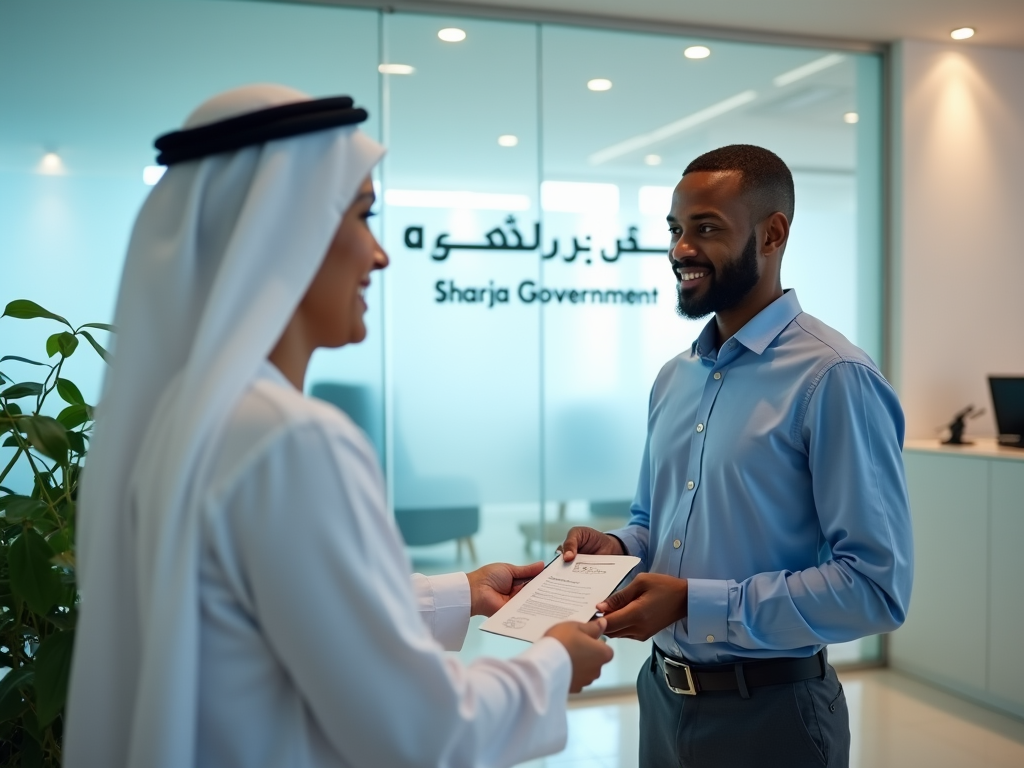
point(773, 481)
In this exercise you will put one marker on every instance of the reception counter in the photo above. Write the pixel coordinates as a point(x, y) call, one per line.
point(965, 628)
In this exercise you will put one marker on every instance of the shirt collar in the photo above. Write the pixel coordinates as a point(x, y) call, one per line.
point(760, 330)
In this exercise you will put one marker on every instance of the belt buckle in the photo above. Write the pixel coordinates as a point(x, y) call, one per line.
point(692, 690)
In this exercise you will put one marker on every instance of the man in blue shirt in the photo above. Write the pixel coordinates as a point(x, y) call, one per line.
point(771, 514)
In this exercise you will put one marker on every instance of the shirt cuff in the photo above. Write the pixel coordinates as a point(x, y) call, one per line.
point(707, 611)
point(445, 604)
point(554, 661)
point(634, 538)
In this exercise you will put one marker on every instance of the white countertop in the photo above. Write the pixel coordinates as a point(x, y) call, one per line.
point(983, 447)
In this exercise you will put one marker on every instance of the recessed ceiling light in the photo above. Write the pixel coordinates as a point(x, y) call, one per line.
point(396, 69)
point(851, 117)
point(653, 159)
point(962, 34)
point(452, 34)
point(697, 52)
point(51, 164)
point(151, 174)
point(508, 140)
point(599, 84)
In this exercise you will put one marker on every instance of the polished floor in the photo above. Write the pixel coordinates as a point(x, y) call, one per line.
point(896, 722)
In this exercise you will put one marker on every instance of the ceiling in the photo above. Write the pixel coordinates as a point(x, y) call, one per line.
point(998, 22)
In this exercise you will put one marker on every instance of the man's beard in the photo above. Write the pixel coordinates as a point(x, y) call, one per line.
point(729, 286)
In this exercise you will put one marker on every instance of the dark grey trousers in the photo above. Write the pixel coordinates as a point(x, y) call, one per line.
point(780, 726)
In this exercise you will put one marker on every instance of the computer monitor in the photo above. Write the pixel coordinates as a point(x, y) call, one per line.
point(1008, 404)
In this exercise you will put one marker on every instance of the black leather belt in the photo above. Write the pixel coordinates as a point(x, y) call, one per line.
point(690, 679)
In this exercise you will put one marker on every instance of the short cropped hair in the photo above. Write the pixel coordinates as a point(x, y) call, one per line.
point(766, 177)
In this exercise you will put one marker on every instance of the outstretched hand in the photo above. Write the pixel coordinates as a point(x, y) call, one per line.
point(588, 653)
point(589, 541)
point(651, 602)
point(491, 586)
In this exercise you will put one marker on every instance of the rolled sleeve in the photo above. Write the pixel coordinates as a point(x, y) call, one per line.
point(444, 604)
point(707, 611)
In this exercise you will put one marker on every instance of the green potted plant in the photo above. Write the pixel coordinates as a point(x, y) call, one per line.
point(38, 591)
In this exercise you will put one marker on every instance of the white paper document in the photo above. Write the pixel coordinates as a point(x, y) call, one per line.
point(562, 592)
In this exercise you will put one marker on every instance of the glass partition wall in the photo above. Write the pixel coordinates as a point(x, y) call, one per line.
point(529, 304)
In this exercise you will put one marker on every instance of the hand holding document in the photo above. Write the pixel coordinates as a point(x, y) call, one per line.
point(562, 592)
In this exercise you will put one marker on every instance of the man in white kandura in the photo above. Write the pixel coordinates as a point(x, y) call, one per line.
point(246, 597)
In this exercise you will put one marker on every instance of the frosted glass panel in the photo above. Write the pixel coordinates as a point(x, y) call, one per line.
point(460, 212)
point(821, 259)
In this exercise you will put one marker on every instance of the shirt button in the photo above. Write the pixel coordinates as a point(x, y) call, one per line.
point(711, 638)
point(700, 427)
point(677, 544)
point(689, 485)
point(718, 375)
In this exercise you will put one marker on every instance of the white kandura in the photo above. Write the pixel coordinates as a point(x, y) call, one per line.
point(221, 254)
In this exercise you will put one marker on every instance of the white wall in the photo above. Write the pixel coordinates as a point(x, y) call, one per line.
point(958, 255)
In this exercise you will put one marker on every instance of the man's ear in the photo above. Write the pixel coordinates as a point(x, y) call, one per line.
point(775, 233)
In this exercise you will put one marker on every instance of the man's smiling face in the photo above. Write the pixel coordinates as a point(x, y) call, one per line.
point(713, 243)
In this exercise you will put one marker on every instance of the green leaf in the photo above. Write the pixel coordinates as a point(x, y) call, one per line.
point(62, 619)
point(24, 360)
point(13, 409)
point(75, 415)
point(69, 393)
point(31, 750)
point(23, 309)
point(4, 378)
point(77, 442)
point(53, 665)
point(62, 342)
point(19, 358)
point(101, 326)
point(17, 508)
point(12, 698)
point(48, 436)
point(26, 389)
point(32, 577)
point(59, 542)
point(10, 442)
point(44, 526)
point(96, 345)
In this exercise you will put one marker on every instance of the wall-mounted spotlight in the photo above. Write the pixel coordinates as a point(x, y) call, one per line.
point(508, 140)
point(452, 34)
point(652, 159)
point(697, 52)
point(599, 84)
point(395, 69)
point(850, 117)
point(962, 33)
